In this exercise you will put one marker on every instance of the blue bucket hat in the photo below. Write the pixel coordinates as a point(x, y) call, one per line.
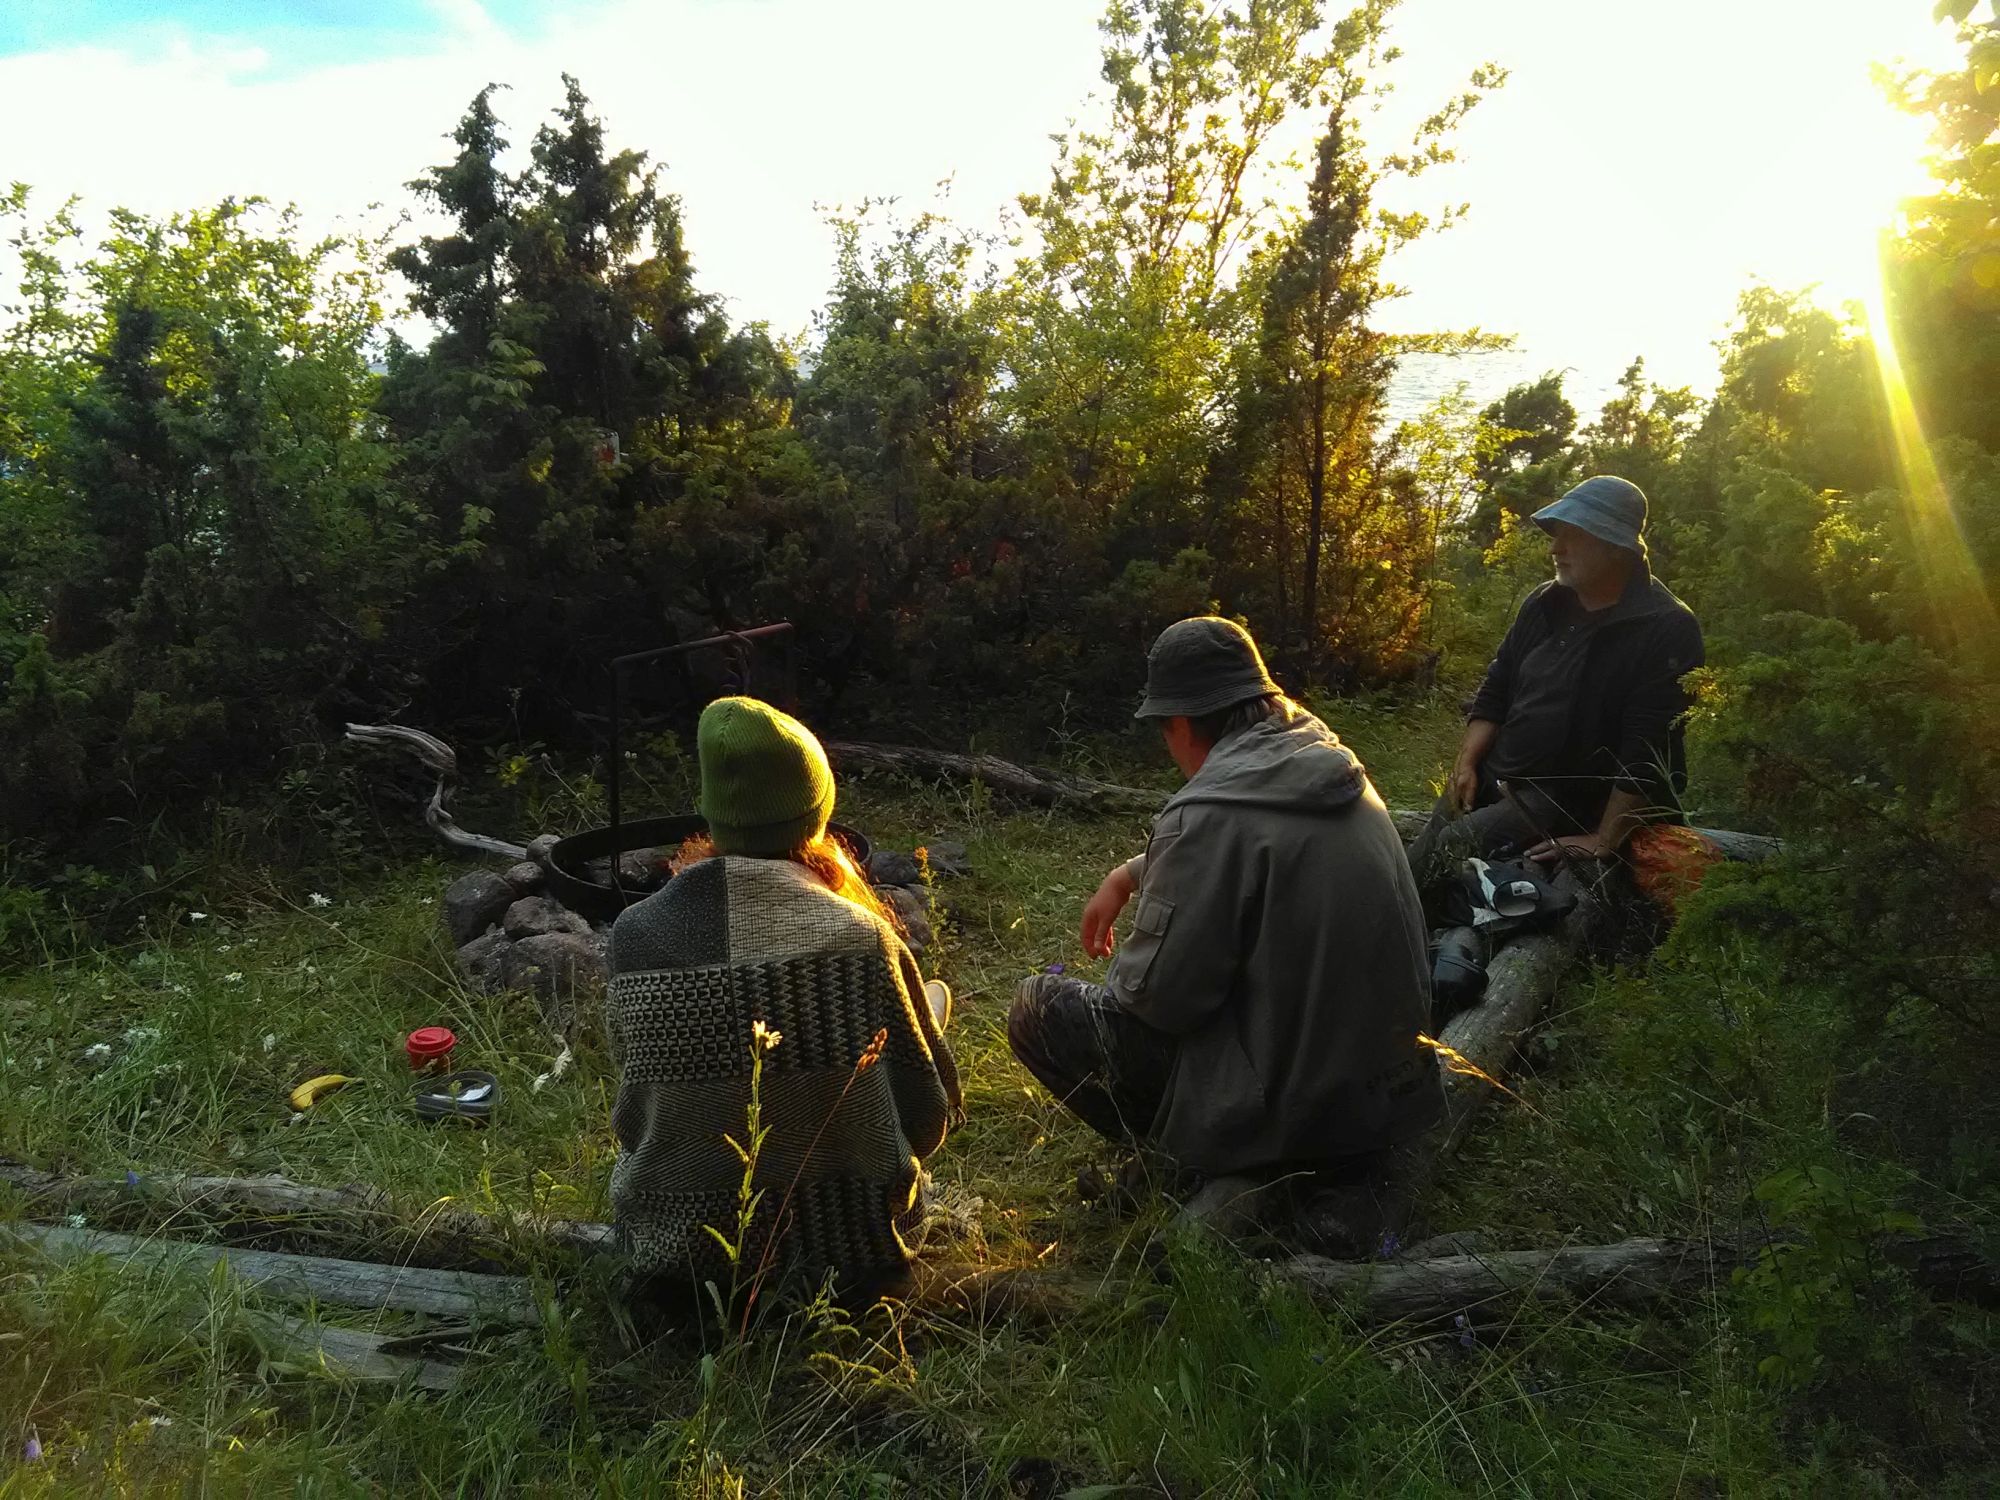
point(1609, 508)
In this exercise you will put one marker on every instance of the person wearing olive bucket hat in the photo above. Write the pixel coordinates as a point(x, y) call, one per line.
point(1574, 738)
point(1261, 1014)
point(768, 971)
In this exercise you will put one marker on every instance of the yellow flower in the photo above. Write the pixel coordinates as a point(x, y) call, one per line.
point(763, 1037)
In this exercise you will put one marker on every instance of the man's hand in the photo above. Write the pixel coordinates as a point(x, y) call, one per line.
point(1621, 816)
point(1572, 846)
point(1463, 787)
point(1100, 912)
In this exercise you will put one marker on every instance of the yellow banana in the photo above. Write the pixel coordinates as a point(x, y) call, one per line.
point(307, 1094)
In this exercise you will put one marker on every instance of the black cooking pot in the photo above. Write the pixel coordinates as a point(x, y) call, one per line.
point(571, 882)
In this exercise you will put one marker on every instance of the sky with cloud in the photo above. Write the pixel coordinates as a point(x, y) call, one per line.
point(1642, 165)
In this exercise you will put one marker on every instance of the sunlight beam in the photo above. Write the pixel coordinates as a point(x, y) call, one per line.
point(1956, 593)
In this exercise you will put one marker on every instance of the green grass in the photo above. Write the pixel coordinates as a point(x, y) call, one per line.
point(1657, 1100)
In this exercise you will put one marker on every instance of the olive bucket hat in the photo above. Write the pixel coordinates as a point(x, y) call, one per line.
point(1202, 666)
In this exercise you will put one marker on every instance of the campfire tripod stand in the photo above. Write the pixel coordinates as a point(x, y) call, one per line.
point(569, 872)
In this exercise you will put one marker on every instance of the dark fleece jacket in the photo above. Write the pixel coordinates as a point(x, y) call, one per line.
point(1625, 696)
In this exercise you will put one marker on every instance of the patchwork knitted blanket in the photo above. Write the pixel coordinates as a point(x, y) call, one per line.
point(726, 944)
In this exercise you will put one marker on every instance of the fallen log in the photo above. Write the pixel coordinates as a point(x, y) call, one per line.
point(1630, 1273)
point(1748, 847)
point(1058, 789)
point(464, 1295)
point(354, 1217)
point(346, 1353)
point(1042, 788)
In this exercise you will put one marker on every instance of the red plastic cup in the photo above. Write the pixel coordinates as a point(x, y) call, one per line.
point(430, 1048)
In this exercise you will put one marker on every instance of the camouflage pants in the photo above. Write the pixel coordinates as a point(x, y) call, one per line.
point(1104, 1066)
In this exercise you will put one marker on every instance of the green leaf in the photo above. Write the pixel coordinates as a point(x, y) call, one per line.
point(728, 1247)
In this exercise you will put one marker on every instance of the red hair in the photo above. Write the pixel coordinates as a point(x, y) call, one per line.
point(826, 856)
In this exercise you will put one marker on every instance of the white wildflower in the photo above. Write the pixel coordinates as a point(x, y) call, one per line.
point(561, 1066)
point(197, 916)
point(158, 1422)
point(234, 976)
point(76, 1221)
point(270, 1042)
point(177, 988)
point(222, 948)
point(318, 900)
point(297, 1115)
point(97, 1052)
point(137, 1034)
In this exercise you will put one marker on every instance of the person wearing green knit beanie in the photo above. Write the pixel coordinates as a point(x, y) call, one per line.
point(766, 976)
point(766, 787)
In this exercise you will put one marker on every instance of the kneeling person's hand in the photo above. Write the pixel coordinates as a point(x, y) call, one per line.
point(1100, 912)
point(1571, 846)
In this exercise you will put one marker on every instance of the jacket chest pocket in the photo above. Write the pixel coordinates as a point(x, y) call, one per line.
point(1149, 930)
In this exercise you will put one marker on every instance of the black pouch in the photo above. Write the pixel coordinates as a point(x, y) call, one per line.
point(1458, 972)
point(1499, 897)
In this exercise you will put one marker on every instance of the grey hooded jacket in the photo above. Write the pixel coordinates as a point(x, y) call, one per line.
point(1279, 936)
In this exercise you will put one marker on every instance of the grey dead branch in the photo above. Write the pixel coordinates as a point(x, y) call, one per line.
point(472, 1303)
point(351, 1354)
point(466, 1296)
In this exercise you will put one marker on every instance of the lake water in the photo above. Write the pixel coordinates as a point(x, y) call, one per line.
point(1422, 378)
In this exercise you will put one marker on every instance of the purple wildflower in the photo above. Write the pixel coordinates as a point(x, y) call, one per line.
point(131, 1178)
point(1465, 1338)
point(1390, 1246)
point(32, 1453)
point(1057, 967)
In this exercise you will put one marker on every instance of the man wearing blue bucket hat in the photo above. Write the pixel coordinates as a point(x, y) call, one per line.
point(1574, 738)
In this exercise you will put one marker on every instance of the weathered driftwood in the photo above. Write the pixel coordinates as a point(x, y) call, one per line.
point(439, 757)
point(1630, 1273)
point(1043, 788)
point(346, 1353)
point(1750, 847)
point(463, 1295)
point(351, 1216)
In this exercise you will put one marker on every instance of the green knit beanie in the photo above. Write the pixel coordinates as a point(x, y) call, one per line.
point(765, 785)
